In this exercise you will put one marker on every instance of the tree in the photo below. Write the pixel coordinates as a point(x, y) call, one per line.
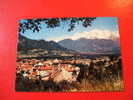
point(35, 24)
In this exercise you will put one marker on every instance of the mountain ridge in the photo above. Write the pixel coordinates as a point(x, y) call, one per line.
point(91, 45)
point(26, 45)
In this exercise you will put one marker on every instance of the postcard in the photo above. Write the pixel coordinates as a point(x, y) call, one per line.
point(76, 54)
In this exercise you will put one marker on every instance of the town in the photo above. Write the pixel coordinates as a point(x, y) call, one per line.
point(68, 74)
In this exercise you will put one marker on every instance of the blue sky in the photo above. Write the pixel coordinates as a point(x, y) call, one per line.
point(100, 24)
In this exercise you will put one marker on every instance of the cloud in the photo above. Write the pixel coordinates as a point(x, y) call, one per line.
point(57, 39)
point(93, 34)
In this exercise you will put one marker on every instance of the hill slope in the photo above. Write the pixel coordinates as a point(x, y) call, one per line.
point(29, 46)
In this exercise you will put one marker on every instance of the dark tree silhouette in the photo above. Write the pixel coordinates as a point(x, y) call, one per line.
point(35, 24)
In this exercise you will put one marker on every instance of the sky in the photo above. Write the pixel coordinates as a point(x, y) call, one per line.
point(102, 27)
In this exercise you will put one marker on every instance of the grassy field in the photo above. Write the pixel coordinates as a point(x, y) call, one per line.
point(23, 85)
point(87, 86)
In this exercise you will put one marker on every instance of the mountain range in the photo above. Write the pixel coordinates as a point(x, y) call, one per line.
point(67, 46)
point(25, 45)
point(92, 45)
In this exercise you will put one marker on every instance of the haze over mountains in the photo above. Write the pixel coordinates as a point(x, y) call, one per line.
point(93, 34)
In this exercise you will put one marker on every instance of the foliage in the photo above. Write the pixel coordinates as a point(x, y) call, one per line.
point(35, 24)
